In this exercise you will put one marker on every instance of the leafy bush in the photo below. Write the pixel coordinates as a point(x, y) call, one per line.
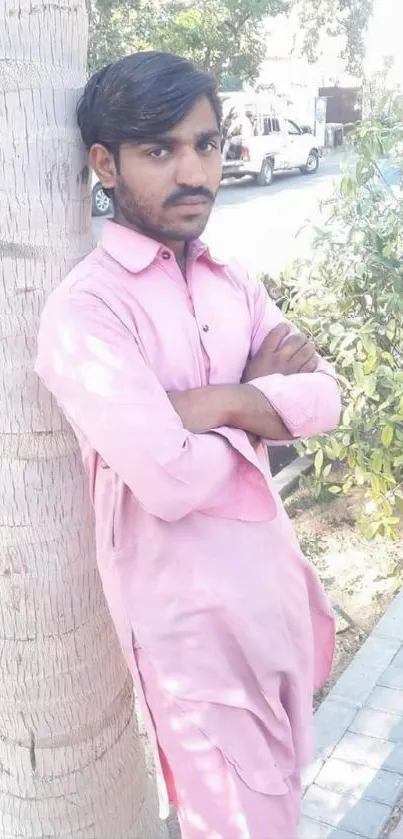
point(350, 299)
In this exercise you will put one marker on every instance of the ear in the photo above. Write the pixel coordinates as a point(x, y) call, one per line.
point(103, 163)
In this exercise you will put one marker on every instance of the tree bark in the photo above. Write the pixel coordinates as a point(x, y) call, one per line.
point(71, 762)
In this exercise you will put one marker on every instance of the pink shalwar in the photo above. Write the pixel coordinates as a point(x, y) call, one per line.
point(224, 625)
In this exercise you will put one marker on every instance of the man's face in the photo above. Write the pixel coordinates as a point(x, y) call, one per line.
point(166, 188)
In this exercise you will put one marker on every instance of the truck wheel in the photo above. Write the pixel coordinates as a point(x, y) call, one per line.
point(265, 176)
point(312, 164)
point(101, 203)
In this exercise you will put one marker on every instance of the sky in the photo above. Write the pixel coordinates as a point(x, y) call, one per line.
point(385, 36)
point(384, 39)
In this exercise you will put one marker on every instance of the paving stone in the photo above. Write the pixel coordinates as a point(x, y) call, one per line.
point(386, 699)
point(378, 724)
point(359, 679)
point(393, 676)
point(361, 781)
point(310, 773)
point(332, 720)
point(310, 829)
point(367, 818)
point(368, 751)
point(391, 625)
point(398, 659)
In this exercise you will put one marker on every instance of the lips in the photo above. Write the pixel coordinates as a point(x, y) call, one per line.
point(196, 201)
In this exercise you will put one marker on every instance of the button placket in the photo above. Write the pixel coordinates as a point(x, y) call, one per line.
point(203, 328)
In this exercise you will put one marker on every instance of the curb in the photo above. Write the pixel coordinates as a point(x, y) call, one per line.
point(286, 480)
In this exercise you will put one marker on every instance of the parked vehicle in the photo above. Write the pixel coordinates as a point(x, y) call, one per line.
point(101, 203)
point(259, 141)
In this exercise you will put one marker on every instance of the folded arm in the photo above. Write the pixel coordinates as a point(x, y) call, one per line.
point(308, 403)
point(235, 406)
point(288, 391)
point(92, 365)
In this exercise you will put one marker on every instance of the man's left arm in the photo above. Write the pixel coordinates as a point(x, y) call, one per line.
point(308, 403)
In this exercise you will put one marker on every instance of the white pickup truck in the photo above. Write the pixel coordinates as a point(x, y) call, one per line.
point(272, 144)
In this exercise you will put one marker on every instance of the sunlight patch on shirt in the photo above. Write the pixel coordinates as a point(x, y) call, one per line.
point(102, 351)
point(196, 821)
point(67, 340)
point(96, 378)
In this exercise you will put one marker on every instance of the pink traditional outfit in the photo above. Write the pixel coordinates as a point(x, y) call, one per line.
point(225, 627)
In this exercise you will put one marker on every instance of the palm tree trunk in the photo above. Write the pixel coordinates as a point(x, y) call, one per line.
point(71, 762)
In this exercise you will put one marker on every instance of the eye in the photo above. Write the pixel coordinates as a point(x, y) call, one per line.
point(158, 153)
point(207, 146)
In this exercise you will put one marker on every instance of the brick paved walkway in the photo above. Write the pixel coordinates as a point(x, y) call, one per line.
point(357, 778)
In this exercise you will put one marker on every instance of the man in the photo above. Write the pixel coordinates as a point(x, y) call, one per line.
point(175, 370)
point(240, 130)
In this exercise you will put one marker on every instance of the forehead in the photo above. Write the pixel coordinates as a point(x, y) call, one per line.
point(201, 119)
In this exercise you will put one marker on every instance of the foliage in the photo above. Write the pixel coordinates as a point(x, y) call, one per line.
point(347, 19)
point(118, 28)
point(350, 299)
point(221, 36)
point(225, 37)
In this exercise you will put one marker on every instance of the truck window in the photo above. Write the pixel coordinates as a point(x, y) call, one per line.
point(293, 128)
point(270, 126)
point(266, 126)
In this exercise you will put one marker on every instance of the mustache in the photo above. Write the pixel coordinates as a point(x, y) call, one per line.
point(189, 192)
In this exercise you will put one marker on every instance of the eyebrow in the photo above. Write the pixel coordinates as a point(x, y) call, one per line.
point(170, 140)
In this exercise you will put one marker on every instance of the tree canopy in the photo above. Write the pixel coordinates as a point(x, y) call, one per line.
point(347, 19)
point(225, 37)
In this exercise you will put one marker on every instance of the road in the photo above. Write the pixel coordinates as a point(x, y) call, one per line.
point(264, 228)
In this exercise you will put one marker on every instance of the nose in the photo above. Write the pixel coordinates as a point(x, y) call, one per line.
point(190, 170)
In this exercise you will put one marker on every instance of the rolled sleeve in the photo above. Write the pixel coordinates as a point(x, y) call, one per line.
point(307, 403)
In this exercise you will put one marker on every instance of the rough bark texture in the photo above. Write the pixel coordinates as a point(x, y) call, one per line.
point(71, 761)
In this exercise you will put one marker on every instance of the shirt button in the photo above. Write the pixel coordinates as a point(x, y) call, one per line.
point(205, 327)
point(166, 255)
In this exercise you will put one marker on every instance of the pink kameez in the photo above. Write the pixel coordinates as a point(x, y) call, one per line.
point(225, 627)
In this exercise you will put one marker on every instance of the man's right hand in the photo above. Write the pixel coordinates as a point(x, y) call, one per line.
point(282, 353)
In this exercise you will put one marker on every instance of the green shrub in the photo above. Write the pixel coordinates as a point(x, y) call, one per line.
point(350, 299)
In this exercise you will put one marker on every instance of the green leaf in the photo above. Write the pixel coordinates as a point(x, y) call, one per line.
point(319, 458)
point(335, 490)
point(376, 461)
point(369, 385)
point(387, 435)
point(372, 528)
point(399, 502)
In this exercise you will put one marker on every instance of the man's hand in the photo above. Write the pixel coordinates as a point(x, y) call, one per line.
point(282, 353)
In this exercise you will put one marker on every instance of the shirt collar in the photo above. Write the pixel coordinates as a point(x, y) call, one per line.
point(136, 252)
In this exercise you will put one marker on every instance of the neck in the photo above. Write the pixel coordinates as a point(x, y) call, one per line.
point(177, 248)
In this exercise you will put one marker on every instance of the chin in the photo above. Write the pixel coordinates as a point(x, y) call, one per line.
point(187, 233)
point(193, 231)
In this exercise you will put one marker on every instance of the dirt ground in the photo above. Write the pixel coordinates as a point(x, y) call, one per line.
point(361, 577)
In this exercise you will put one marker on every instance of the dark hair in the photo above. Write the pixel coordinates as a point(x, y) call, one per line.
point(140, 96)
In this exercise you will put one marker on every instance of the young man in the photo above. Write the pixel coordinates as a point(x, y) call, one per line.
point(175, 371)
